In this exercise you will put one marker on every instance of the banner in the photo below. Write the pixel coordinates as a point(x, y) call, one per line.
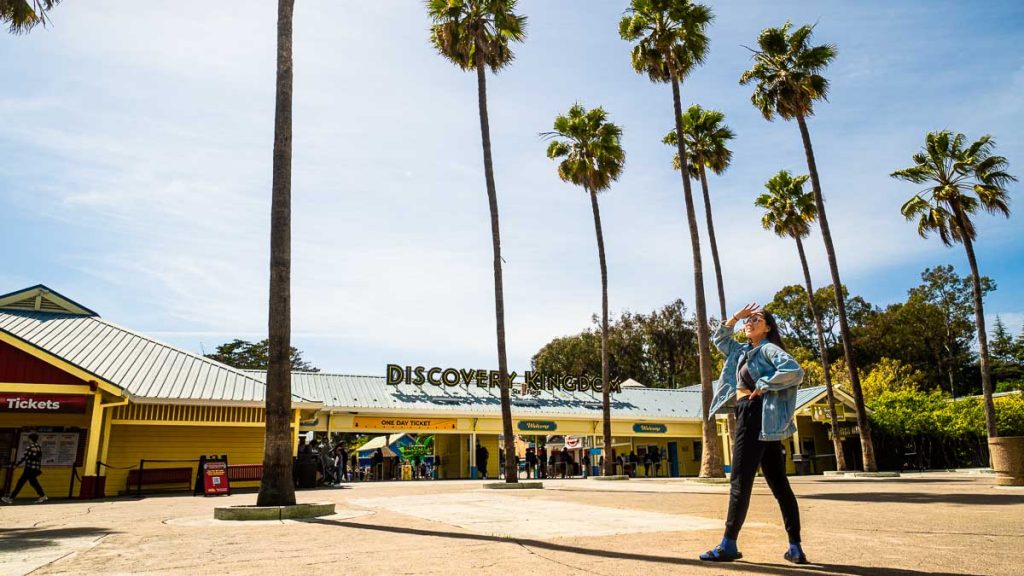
point(42, 403)
point(405, 424)
point(649, 428)
point(537, 426)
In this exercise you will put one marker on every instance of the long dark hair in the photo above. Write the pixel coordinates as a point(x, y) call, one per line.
point(773, 329)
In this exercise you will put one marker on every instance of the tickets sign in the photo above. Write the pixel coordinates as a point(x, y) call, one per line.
point(42, 403)
point(405, 424)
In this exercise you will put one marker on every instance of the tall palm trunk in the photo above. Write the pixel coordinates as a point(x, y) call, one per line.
point(867, 449)
point(714, 243)
point(511, 472)
point(276, 486)
point(731, 418)
point(837, 443)
point(606, 410)
point(979, 319)
point(711, 457)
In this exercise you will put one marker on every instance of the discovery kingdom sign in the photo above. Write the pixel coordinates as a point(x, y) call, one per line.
point(532, 381)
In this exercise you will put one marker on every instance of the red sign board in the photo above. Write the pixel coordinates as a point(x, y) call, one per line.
point(42, 403)
point(215, 478)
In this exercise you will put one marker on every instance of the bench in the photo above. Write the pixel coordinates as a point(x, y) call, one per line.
point(245, 472)
point(159, 476)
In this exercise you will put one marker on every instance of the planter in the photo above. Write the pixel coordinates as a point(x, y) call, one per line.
point(514, 485)
point(297, 511)
point(1007, 454)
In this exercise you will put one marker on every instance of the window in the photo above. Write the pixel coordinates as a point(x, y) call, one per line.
point(698, 449)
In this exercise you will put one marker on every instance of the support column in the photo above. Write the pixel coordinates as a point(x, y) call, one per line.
point(472, 456)
point(295, 431)
point(92, 483)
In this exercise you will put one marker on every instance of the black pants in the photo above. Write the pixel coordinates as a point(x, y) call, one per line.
point(30, 477)
point(748, 454)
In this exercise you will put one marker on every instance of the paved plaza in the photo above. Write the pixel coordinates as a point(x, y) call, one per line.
point(921, 524)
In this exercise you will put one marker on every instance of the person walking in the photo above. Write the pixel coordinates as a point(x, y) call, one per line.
point(585, 463)
point(761, 378)
point(481, 460)
point(531, 463)
point(33, 461)
point(542, 462)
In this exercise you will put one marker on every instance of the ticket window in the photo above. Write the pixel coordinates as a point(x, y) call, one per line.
point(63, 449)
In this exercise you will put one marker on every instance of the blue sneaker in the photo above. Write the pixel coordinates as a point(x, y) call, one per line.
point(720, 554)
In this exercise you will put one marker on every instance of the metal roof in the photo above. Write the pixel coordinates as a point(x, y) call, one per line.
point(373, 394)
point(807, 395)
point(143, 367)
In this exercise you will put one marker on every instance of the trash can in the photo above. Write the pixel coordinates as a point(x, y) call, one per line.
point(802, 464)
point(305, 471)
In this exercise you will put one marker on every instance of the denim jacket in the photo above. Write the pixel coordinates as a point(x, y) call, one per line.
point(777, 375)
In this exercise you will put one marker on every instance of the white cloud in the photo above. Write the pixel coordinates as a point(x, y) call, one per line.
point(138, 140)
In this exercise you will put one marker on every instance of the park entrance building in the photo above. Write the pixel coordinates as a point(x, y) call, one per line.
point(118, 411)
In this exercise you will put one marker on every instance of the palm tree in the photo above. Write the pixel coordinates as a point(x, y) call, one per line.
point(787, 73)
point(958, 182)
point(475, 35)
point(592, 157)
point(671, 40)
point(706, 139)
point(23, 15)
point(789, 212)
point(277, 487)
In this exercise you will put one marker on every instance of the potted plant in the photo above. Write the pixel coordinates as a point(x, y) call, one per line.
point(1007, 450)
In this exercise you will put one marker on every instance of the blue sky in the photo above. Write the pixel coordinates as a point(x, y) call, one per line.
point(136, 144)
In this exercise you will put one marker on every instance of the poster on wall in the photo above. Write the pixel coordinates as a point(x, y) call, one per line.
point(59, 448)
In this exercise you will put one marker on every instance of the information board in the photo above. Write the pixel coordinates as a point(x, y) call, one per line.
point(59, 448)
point(215, 478)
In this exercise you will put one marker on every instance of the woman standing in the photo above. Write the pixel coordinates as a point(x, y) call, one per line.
point(762, 379)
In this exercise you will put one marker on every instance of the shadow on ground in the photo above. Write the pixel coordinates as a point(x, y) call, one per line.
point(901, 480)
point(17, 539)
point(781, 570)
point(921, 498)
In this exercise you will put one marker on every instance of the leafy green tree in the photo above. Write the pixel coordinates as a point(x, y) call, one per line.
point(590, 150)
point(787, 72)
point(951, 295)
point(959, 180)
point(789, 305)
point(707, 143)
point(670, 41)
point(1007, 358)
point(657, 349)
point(277, 487)
point(573, 354)
point(477, 35)
point(905, 331)
point(247, 355)
point(890, 375)
point(23, 15)
point(789, 212)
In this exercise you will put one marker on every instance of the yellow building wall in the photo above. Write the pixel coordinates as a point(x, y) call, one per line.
point(490, 441)
point(454, 455)
point(55, 479)
point(131, 443)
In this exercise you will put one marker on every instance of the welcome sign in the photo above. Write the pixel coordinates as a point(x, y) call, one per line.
point(532, 381)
